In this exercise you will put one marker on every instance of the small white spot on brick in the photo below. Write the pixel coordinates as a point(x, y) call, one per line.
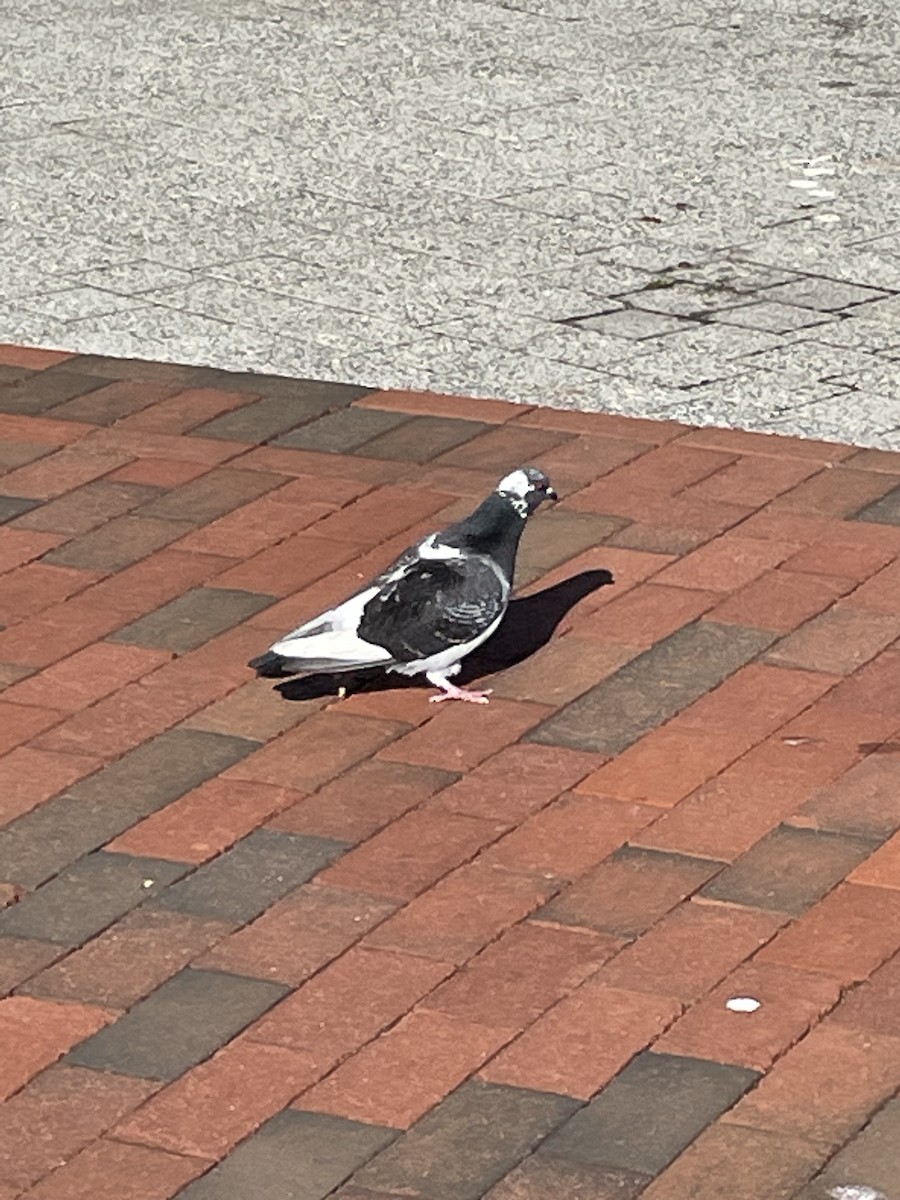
point(743, 1004)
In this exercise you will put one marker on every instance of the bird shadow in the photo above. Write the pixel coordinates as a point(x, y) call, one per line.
point(528, 625)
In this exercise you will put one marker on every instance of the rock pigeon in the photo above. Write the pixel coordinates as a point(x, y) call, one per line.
point(440, 600)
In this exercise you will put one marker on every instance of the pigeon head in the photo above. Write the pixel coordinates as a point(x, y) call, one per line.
point(526, 489)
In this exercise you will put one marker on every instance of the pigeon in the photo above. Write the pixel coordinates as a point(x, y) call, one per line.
point(434, 605)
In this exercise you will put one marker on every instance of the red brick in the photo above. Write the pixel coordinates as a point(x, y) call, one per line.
point(111, 1170)
point(20, 546)
point(300, 934)
point(645, 614)
point(129, 959)
point(790, 1002)
point(135, 443)
point(727, 815)
point(35, 1033)
point(878, 594)
point(19, 723)
point(186, 410)
point(516, 782)
point(160, 472)
point(835, 492)
point(839, 641)
point(670, 524)
point(394, 703)
point(461, 735)
point(287, 567)
point(319, 463)
point(322, 747)
point(114, 726)
point(381, 514)
point(522, 974)
point(462, 913)
point(412, 853)
point(435, 404)
point(662, 471)
point(215, 1105)
point(20, 958)
point(666, 765)
point(60, 1112)
point(402, 1074)
point(845, 936)
point(40, 431)
point(205, 821)
point(153, 581)
point(781, 600)
point(726, 564)
point(742, 1164)
point(754, 480)
point(271, 518)
point(570, 835)
point(28, 777)
point(32, 358)
point(690, 950)
point(744, 442)
point(348, 1003)
point(656, 433)
point(362, 801)
point(757, 699)
point(883, 868)
point(34, 587)
point(874, 1006)
point(65, 469)
point(825, 1087)
point(854, 559)
point(583, 1041)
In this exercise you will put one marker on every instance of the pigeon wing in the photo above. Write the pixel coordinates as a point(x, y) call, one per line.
point(433, 604)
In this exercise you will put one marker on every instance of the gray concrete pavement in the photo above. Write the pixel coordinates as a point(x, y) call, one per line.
point(679, 208)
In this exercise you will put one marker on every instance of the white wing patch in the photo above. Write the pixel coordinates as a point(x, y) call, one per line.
point(431, 548)
point(332, 635)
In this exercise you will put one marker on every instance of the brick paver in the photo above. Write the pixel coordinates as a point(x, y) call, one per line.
point(361, 947)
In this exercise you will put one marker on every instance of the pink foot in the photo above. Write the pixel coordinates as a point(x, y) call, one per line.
point(450, 692)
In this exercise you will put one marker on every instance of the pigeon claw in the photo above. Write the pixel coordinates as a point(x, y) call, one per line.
point(454, 693)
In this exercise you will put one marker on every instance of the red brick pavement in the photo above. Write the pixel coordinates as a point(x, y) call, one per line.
point(270, 947)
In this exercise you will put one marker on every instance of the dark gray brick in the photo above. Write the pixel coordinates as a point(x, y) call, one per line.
point(343, 431)
point(183, 1022)
point(84, 508)
point(39, 844)
point(44, 389)
point(653, 687)
point(192, 619)
point(117, 544)
point(260, 869)
point(650, 1112)
point(468, 1142)
point(14, 506)
point(211, 496)
point(630, 891)
point(295, 1156)
point(868, 1167)
point(106, 367)
point(323, 394)
point(789, 869)
point(109, 404)
point(885, 511)
point(420, 439)
point(541, 1177)
point(259, 422)
point(88, 896)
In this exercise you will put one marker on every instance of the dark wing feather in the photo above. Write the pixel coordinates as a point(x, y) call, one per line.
point(433, 605)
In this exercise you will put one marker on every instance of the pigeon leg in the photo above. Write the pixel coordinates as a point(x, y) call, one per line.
point(449, 691)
